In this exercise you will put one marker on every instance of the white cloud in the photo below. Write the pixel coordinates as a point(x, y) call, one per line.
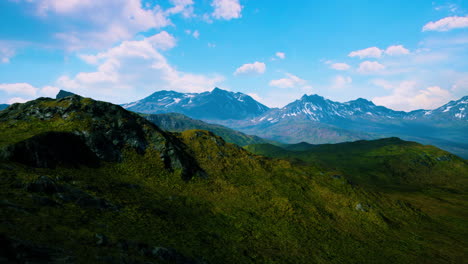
point(340, 66)
point(49, 91)
point(110, 21)
point(397, 50)
point(27, 90)
point(134, 69)
point(16, 100)
point(280, 55)
point(256, 67)
point(6, 53)
point(382, 83)
point(196, 34)
point(446, 24)
point(372, 52)
point(340, 82)
point(255, 96)
point(406, 97)
point(19, 88)
point(211, 45)
point(369, 67)
point(291, 81)
point(162, 40)
point(226, 9)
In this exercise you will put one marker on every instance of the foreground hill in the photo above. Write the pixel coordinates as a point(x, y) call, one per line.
point(175, 122)
point(83, 181)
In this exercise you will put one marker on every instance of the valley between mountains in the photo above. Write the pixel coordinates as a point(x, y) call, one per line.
point(85, 181)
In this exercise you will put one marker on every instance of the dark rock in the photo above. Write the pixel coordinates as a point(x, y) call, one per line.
point(44, 201)
point(63, 94)
point(444, 158)
point(362, 207)
point(83, 199)
point(18, 251)
point(51, 149)
point(16, 207)
point(44, 184)
point(129, 186)
point(101, 240)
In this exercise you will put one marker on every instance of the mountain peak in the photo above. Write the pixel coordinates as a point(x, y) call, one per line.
point(312, 97)
point(362, 101)
point(62, 94)
point(218, 104)
point(217, 90)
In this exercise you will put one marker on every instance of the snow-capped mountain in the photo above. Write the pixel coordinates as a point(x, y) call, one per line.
point(319, 109)
point(215, 105)
point(452, 111)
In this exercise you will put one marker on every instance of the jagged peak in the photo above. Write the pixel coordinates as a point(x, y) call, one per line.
point(62, 94)
point(361, 100)
point(217, 90)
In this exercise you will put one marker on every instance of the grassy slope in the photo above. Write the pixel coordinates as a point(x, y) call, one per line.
point(250, 209)
point(175, 122)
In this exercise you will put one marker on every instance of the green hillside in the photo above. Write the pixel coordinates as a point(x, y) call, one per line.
point(175, 122)
point(384, 163)
point(83, 181)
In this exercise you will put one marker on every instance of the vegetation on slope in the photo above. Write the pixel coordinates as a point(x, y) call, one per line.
point(244, 208)
point(389, 162)
point(175, 122)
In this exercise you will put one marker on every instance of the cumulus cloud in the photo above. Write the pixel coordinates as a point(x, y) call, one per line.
point(110, 21)
point(291, 81)
point(340, 66)
point(16, 100)
point(226, 9)
point(134, 69)
point(255, 68)
point(375, 52)
point(370, 67)
point(372, 52)
point(406, 96)
point(446, 24)
point(397, 50)
point(340, 82)
point(280, 55)
point(20, 90)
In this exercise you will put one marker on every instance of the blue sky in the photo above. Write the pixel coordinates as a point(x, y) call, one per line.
point(404, 55)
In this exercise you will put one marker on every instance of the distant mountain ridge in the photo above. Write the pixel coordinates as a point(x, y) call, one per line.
point(215, 105)
point(3, 106)
point(319, 109)
point(317, 120)
point(175, 122)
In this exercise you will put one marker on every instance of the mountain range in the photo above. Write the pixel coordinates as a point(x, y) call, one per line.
point(317, 120)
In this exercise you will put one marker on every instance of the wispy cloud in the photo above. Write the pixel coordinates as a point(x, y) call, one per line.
point(446, 24)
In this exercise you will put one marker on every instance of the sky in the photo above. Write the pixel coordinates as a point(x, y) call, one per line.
point(401, 54)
